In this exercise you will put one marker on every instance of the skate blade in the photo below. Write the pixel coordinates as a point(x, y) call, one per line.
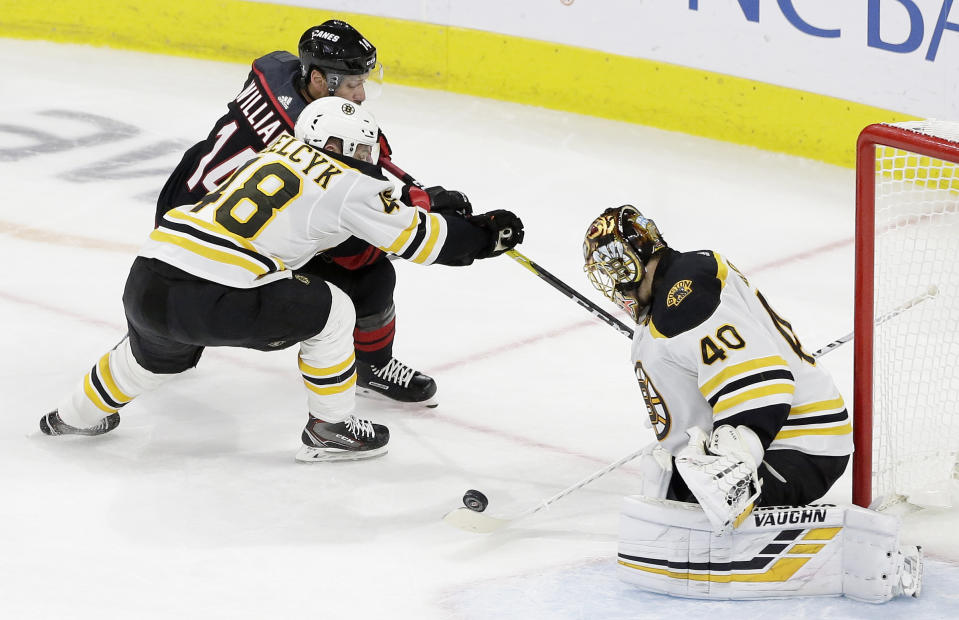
point(308, 454)
point(430, 402)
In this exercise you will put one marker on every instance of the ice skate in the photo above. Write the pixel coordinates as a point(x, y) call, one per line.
point(51, 424)
point(395, 381)
point(350, 440)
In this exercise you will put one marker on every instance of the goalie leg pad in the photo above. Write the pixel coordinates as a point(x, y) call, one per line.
point(818, 550)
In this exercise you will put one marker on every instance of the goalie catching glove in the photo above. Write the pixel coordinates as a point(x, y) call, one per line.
point(721, 471)
point(506, 231)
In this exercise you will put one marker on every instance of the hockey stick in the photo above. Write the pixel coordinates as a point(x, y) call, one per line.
point(570, 292)
point(930, 293)
point(472, 521)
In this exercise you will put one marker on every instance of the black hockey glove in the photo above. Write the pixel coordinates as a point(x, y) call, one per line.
point(437, 199)
point(505, 228)
point(449, 201)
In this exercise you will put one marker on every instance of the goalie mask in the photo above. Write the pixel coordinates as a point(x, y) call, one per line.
point(335, 117)
point(618, 246)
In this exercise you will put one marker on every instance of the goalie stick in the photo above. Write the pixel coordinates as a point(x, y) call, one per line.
point(480, 523)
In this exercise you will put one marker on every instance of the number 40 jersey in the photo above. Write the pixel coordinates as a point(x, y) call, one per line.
point(713, 351)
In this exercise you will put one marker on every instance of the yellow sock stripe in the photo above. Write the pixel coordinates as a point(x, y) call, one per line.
point(435, 225)
point(782, 570)
point(313, 371)
point(845, 429)
point(725, 374)
point(106, 377)
point(404, 236)
point(94, 397)
point(332, 389)
point(753, 394)
point(823, 405)
point(218, 256)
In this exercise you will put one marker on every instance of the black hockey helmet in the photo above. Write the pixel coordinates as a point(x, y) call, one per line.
point(335, 47)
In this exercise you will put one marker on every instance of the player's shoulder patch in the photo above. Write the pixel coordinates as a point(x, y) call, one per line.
point(687, 293)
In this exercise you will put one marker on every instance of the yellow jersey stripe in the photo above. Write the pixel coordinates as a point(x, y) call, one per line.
point(94, 397)
point(214, 228)
point(332, 389)
point(845, 429)
point(430, 241)
point(336, 369)
point(741, 368)
point(759, 392)
point(721, 270)
point(823, 405)
point(404, 236)
point(217, 256)
point(107, 378)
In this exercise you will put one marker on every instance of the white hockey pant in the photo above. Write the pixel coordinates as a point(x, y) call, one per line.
point(328, 363)
point(116, 379)
point(818, 550)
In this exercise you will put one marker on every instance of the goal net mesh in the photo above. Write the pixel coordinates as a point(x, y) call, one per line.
point(916, 351)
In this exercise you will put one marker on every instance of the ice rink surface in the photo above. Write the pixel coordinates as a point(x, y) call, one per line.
point(194, 507)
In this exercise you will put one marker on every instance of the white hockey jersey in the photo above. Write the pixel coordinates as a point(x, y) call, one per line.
point(712, 351)
point(281, 208)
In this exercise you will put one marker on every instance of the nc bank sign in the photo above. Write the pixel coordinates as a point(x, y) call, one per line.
point(878, 14)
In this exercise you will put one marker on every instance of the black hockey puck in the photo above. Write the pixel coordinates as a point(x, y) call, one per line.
point(475, 501)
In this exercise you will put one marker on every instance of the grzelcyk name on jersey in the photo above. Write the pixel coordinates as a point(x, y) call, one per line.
point(779, 516)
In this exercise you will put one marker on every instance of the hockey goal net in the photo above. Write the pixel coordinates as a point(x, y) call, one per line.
point(906, 347)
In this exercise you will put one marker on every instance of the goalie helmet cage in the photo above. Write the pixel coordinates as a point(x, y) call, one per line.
point(906, 418)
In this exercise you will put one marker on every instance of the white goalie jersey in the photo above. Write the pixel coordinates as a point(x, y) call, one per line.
point(712, 351)
point(281, 208)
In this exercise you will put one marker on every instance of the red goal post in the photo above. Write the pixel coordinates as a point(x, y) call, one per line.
point(906, 369)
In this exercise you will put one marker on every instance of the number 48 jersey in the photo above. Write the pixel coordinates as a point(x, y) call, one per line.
point(290, 202)
point(713, 351)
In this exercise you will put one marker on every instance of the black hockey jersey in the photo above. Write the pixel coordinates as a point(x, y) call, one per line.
point(267, 105)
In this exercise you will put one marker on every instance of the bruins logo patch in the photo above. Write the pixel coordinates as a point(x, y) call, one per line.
point(678, 293)
point(659, 417)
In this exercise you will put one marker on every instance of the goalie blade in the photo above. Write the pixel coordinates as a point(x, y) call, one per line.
point(472, 521)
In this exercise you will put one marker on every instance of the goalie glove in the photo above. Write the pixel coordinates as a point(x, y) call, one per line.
point(724, 477)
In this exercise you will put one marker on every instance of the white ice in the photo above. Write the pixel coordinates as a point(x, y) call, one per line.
point(194, 507)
